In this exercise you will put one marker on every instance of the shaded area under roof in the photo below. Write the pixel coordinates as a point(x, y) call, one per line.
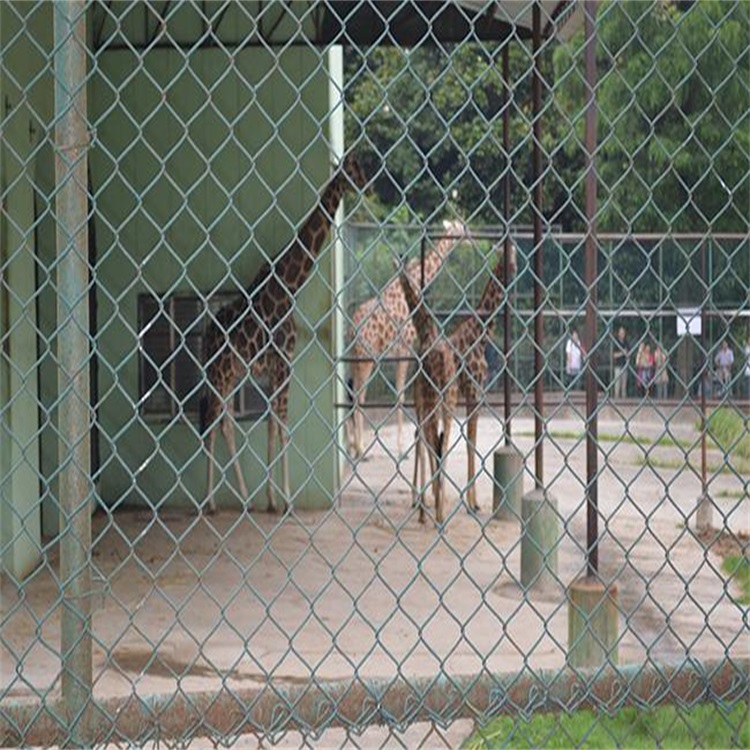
point(362, 23)
point(410, 22)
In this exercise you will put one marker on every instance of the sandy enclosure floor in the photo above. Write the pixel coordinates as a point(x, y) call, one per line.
point(363, 588)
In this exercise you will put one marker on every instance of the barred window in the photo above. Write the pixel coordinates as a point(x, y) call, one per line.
point(170, 370)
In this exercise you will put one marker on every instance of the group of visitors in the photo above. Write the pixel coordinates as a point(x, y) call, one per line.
point(651, 366)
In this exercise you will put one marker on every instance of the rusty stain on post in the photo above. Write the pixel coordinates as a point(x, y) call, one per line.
point(591, 270)
point(71, 146)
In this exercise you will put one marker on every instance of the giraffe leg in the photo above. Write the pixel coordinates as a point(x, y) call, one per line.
point(416, 487)
point(227, 428)
point(270, 468)
point(433, 449)
point(471, 452)
point(419, 477)
point(277, 435)
point(360, 374)
point(402, 367)
point(210, 444)
point(443, 445)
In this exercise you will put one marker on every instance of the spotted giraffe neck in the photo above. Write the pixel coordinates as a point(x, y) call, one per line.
point(482, 322)
point(494, 290)
point(423, 321)
point(296, 263)
point(432, 261)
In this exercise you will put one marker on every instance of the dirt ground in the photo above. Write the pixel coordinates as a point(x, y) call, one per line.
point(363, 589)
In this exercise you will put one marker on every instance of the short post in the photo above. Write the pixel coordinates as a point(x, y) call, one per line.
point(593, 623)
point(507, 489)
point(704, 513)
point(540, 535)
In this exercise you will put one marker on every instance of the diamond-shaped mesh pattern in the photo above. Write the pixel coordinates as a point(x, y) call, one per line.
point(207, 230)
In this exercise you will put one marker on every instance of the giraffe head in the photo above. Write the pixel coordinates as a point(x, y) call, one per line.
point(351, 168)
point(495, 289)
point(454, 231)
point(512, 257)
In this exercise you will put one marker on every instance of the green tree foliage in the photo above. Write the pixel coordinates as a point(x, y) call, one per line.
point(433, 125)
point(674, 123)
point(674, 114)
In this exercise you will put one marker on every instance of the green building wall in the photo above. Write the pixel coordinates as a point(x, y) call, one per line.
point(193, 191)
point(26, 96)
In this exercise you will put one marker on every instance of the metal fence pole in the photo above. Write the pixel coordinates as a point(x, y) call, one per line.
point(539, 292)
point(507, 321)
point(592, 426)
point(71, 144)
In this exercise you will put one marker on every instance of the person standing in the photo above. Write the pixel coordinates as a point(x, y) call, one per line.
point(661, 373)
point(573, 359)
point(620, 363)
point(746, 352)
point(644, 368)
point(724, 360)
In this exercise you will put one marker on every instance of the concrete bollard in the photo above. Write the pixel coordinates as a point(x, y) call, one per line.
point(540, 535)
point(704, 513)
point(593, 624)
point(507, 488)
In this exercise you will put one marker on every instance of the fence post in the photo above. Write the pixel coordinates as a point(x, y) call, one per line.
point(507, 489)
point(540, 536)
point(593, 623)
point(71, 146)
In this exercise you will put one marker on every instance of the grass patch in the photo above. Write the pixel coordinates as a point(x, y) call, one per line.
point(729, 430)
point(654, 462)
point(666, 441)
point(704, 725)
point(737, 567)
point(731, 494)
point(662, 463)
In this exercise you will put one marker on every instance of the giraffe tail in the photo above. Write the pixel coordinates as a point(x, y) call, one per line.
point(203, 415)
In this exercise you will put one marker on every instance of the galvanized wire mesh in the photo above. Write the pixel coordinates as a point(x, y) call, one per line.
point(172, 187)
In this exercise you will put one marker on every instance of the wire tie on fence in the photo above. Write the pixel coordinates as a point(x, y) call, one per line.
point(74, 146)
point(95, 595)
point(80, 145)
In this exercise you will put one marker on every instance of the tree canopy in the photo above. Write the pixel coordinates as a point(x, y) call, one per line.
point(674, 123)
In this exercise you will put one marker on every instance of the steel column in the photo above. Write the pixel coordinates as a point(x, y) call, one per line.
point(507, 322)
point(71, 145)
point(539, 291)
point(590, 273)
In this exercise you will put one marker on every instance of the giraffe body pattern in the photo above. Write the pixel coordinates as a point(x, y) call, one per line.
point(256, 334)
point(467, 342)
point(382, 326)
point(435, 396)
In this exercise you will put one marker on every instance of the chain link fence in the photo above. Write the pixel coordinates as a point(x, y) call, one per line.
point(206, 207)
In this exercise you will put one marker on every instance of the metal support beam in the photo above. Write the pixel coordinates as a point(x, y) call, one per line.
point(590, 273)
point(507, 320)
point(71, 148)
point(539, 291)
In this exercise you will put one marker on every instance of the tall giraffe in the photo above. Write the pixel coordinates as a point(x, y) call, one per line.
point(256, 334)
point(468, 343)
point(382, 324)
point(435, 397)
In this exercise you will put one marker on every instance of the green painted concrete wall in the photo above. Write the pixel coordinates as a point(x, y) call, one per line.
point(26, 96)
point(191, 190)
